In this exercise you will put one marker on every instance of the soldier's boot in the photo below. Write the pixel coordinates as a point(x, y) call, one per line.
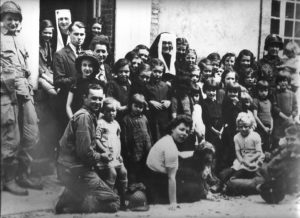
point(10, 184)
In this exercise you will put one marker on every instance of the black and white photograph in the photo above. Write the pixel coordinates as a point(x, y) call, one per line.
point(150, 108)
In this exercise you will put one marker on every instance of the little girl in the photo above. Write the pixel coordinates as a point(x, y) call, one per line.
point(249, 154)
point(158, 97)
point(212, 117)
point(285, 107)
point(108, 141)
point(231, 107)
point(194, 72)
point(262, 113)
point(120, 87)
point(136, 140)
point(228, 60)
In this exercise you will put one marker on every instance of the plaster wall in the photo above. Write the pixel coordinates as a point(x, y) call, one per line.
point(213, 25)
point(133, 25)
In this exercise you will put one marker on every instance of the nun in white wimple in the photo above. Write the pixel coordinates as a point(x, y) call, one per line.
point(63, 21)
point(164, 48)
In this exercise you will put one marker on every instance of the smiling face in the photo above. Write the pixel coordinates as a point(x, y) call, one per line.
point(101, 52)
point(64, 23)
point(123, 74)
point(180, 133)
point(190, 58)
point(245, 61)
point(94, 99)
point(229, 61)
point(167, 47)
point(11, 22)
point(47, 34)
point(86, 68)
point(96, 29)
point(143, 54)
point(211, 93)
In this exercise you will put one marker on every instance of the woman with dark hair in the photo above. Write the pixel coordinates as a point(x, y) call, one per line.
point(87, 67)
point(95, 29)
point(244, 60)
point(162, 162)
point(44, 96)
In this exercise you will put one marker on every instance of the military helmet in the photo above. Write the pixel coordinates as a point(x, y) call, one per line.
point(136, 201)
point(10, 7)
point(272, 192)
point(273, 39)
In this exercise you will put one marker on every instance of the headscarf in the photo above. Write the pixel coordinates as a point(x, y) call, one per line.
point(58, 14)
point(156, 50)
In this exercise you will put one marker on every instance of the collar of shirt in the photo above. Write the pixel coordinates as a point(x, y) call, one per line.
point(5, 31)
point(73, 48)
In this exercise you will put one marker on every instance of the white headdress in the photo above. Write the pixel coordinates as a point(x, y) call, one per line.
point(58, 14)
point(171, 38)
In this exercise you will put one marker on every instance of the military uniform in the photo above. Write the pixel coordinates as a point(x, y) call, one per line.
point(19, 129)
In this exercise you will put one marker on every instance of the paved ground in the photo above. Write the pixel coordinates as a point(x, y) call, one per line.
point(41, 204)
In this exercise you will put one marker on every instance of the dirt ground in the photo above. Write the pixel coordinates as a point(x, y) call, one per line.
point(41, 204)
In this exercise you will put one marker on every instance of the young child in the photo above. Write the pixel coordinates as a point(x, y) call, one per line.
point(191, 57)
point(136, 139)
point(262, 113)
point(135, 61)
point(248, 80)
point(228, 60)
point(247, 106)
point(120, 87)
point(194, 72)
point(231, 107)
point(140, 81)
point(285, 106)
point(181, 102)
point(249, 154)
point(158, 97)
point(215, 59)
point(212, 117)
point(108, 141)
point(206, 69)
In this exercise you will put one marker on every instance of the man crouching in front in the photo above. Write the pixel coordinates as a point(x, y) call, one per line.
point(85, 191)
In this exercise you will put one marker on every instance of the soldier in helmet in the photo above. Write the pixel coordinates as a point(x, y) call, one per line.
point(268, 64)
point(19, 129)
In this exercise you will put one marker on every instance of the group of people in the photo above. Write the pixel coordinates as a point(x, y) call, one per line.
point(156, 121)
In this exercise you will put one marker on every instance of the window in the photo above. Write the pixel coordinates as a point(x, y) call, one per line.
point(285, 19)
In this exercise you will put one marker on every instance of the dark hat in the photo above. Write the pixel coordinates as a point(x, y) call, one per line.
point(136, 201)
point(87, 54)
point(273, 39)
point(272, 192)
point(10, 7)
